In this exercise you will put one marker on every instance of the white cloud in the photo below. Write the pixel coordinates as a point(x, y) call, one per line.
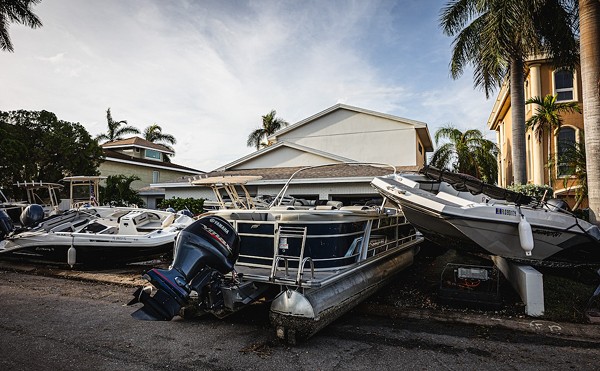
point(207, 71)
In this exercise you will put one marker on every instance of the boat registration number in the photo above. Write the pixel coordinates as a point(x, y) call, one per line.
point(501, 211)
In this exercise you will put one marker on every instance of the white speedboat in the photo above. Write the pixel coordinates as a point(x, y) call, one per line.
point(463, 213)
point(91, 236)
point(311, 264)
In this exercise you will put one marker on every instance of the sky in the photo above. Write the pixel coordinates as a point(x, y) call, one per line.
point(207, 70)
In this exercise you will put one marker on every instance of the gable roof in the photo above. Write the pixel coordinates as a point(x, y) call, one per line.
point(137, 142)
point(279, 145)
point(420, 127)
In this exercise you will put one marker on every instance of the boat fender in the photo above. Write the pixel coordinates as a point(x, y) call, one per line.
point(525, 236)
point(71, 256)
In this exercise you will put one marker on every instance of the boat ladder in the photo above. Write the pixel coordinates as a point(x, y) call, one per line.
point(281, 245)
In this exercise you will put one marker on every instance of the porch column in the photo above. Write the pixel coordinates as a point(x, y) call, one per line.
point(537, 147)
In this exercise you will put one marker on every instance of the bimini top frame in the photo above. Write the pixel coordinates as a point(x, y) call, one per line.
point(92, 182)
point(232, 185)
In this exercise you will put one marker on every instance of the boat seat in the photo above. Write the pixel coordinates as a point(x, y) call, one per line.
point(168, 221)
point(282, 207)
point(249, 216)
point(325, 207)
point(149, 227)
point(356, 208)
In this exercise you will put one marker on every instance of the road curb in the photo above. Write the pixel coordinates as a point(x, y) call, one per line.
point(587, 332)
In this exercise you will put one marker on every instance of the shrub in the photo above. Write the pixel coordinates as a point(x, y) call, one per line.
point(196, 206)
point(534, 190)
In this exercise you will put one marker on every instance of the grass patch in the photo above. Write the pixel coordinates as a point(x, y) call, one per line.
point(566, 291)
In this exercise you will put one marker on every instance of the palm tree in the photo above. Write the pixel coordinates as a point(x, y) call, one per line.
point(154, 134)
point(18, 11)
point(467, 153)
point(270, 125)
point(589, 22)
point(115, 129)
point(500, 36)
point(548, 118)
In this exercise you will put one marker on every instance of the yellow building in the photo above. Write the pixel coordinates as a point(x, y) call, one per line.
point(146, 160)
point(541, 79)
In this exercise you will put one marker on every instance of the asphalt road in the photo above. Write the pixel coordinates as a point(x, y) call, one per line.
point(64, 324)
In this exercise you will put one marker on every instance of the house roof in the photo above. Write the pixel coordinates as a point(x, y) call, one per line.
point(341, 172)
point(279, 145)
point(420, 127)
point(137, 142)
point(116, 156)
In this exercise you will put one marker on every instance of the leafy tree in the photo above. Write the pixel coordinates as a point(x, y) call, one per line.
point(547, 117)
point(270, 124)
point(496, 37)
point(154, 134)
point(36, 145)
point(468, 153)
point(196, 206)
point(18, 11)
point(118, 191)
point(116, 129)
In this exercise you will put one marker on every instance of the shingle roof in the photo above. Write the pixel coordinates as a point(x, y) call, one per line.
point(136, 142)
point(334, 171)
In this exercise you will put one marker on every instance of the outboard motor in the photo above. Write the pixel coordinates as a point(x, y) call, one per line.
point(556, 204)
point(6, 224)
point(205, 251)
point(32, 215)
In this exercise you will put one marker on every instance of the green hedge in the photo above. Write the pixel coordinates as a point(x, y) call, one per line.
point(196, 206)
point(534, 190)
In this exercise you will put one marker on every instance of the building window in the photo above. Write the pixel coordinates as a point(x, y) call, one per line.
point(150, 153)
point(566, 139)
point(563, 85)
point(420, 149)
point(155, 177)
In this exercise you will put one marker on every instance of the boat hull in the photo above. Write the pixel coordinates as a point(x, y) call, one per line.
point(559, 239)
point(298, 315)
point(87, 251)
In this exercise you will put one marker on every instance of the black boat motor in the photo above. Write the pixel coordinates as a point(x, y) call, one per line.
point(204, 252)
point(32, 215)
point(6, 224)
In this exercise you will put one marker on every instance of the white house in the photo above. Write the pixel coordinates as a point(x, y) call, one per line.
point(339, 134)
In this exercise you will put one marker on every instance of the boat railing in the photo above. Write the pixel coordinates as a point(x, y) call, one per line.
point(282, 235)
point(277, 201)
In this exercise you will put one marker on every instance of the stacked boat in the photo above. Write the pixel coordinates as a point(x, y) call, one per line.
point(461, 212)
point(311, 264)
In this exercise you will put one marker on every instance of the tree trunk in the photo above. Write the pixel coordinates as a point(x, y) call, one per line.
point(589, 20)
point(517, 103)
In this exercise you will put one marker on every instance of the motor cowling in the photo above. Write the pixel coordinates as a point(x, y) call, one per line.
point(6, 224)
point(32, 215)
point(207, 247)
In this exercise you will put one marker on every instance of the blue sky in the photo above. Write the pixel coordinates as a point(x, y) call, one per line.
point(206, 71)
